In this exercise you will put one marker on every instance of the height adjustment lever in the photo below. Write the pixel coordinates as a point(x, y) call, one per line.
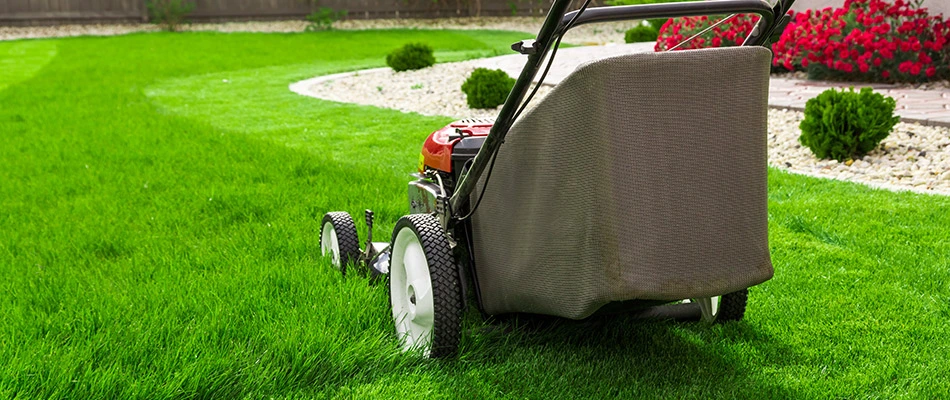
point(529, 46)
point(369, 229)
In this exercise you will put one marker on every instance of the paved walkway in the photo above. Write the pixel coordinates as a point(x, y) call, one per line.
point(927, 107)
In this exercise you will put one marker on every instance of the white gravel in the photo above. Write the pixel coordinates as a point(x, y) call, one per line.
point(601, 33)
point(913, 157)
point(432, 91)
point(611, 32)
point(32, 32)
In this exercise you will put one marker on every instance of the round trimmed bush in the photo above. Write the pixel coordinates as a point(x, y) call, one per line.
point(847, 124)
point(487, 88)
point(411, 56)
point(641, 33)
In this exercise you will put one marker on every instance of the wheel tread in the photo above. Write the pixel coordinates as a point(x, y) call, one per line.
point(347, 237)
point(732, 306)
point(447, 297)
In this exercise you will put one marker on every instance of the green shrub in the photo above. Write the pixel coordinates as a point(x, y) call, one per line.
point(487, 88)
point(411, 56)
point(169, 14)
point(846, 125)
point(657, 23)
point(323, 19)
point(641, 33)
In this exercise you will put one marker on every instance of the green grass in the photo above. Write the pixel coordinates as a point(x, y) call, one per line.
point(159, 241)
point(22, 59)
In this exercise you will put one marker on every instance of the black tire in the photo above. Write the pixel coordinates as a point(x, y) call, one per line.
point(347, 240)
point(732, 306)
point(445, 286)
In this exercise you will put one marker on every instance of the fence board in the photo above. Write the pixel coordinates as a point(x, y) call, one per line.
point(53, 11)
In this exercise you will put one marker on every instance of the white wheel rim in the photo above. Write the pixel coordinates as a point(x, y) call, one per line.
point(411, 292)
point(709, 306)
point(329, 243)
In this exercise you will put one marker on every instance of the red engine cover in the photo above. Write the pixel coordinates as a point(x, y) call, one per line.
point(437, 150)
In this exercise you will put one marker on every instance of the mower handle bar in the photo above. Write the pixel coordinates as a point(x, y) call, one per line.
point(670, 10)
point(555, 23)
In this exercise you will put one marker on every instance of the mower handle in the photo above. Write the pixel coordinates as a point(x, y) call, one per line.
point(773, 18)
point(672, 10)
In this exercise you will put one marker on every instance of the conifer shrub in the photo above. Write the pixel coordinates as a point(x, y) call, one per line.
point(487, 88)
point(844, 125)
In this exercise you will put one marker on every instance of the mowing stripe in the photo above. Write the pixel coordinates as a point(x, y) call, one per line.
point(21, 60)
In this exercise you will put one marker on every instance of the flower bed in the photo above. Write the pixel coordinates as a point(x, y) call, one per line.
point(730, 33)
point(865, 40)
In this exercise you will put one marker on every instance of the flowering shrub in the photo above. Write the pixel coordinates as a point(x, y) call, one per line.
point(868, 40)
point(730, 33)
point(865, 40)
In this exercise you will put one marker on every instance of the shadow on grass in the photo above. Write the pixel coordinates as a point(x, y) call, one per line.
point(621, 356)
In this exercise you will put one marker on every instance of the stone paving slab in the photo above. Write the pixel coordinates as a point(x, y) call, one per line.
point(927, 107)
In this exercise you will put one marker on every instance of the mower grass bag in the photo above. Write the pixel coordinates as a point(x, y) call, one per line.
point(639, 177)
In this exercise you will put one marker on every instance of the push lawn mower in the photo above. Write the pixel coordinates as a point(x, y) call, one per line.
point(639, 181)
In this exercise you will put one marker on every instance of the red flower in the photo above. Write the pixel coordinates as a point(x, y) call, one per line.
point(877, 39)
point(904, 66)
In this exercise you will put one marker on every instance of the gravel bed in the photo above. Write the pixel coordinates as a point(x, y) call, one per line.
point(611, 32)
point(433, 91)
point(36, 32)
point(913, 157)
point(591, 34)
point(31, 32)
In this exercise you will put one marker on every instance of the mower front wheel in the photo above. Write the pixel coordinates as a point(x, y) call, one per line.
point(424, 288)
point(339, 240)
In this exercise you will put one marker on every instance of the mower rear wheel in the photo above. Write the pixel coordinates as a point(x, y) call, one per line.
point(338, 238)
point(424, 288)
point(728, 307)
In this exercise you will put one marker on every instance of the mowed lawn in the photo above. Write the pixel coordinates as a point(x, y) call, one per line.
point(159, 205)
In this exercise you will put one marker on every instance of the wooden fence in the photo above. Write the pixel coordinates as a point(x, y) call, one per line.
point(38, 12)
point(26, 11)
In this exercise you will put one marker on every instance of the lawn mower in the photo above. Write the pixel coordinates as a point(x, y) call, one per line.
point(639, 182)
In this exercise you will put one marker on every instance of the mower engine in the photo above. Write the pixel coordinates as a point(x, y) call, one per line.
point(444, 157)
